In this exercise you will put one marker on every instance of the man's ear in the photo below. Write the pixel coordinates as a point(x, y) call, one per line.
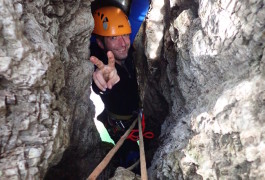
point(100, 43)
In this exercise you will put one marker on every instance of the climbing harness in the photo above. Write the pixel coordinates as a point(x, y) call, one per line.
point(119, 123)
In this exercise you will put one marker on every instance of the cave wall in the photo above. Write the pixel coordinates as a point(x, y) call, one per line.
point(215, 86)
point(45, 79)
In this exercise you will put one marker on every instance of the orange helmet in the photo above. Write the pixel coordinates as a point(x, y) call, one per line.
point(111, 21)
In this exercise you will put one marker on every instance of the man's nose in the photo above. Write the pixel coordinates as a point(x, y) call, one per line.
point(122, 41)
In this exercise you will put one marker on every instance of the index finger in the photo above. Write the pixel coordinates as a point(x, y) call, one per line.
point(111, 59)
point(97, 62)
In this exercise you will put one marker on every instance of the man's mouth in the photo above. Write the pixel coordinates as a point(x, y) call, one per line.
point(122, 50)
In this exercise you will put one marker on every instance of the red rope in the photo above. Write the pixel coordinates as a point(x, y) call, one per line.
point(134, 135)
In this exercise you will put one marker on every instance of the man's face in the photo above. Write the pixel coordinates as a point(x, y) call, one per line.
point(119, 45)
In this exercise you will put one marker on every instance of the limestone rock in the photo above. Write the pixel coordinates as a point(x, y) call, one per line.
point(122, 173)
point(218, 132)
point(35, 117)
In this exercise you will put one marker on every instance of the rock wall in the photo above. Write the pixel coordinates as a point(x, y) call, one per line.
point(214, 51)
point(45, 81)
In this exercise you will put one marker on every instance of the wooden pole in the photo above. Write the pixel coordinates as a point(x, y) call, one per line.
point(111, 153)
point(142, 153)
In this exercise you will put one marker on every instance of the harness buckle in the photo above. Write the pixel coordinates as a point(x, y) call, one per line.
point(120, 124)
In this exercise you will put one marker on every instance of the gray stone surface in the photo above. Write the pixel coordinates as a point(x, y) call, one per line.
point(218, 133)
point(44, 84)
point(122, 173)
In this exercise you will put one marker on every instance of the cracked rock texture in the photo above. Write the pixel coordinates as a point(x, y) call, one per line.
point(214, 52)
point(201, 66)
point(44, 85)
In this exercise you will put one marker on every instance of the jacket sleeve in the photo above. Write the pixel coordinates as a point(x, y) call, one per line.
point(138, 11)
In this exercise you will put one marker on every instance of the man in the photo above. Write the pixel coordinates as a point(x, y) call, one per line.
point(114, 78)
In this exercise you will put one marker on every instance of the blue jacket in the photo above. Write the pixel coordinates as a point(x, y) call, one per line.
point(137, 14)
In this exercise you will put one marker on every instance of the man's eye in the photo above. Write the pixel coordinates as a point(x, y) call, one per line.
point(114, 37)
